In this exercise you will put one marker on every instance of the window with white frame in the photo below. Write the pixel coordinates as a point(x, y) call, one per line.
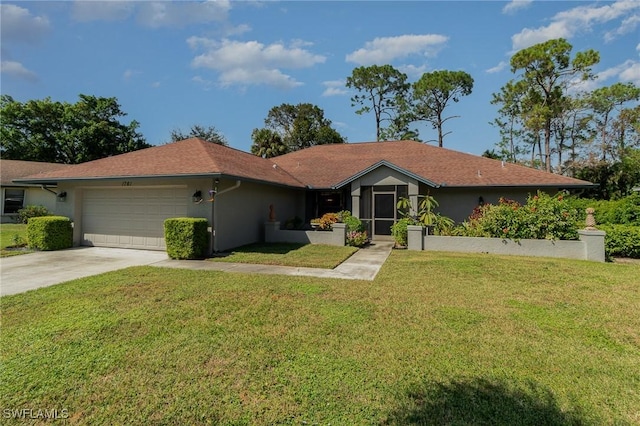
point(13, 200)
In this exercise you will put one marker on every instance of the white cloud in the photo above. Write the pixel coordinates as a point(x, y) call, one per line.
point(204, 83)
point(573, 21)
point(515, 5)
point(628, 71)
point(154, 14)
point(129, 74)
point(627, 26)
point(383, 50)
point(502, 65)
point(87, 11)
point(16, 69)
point(180, 14)
point(412, 70)
point(334, 88)
point(17, 24)
point(252, 63)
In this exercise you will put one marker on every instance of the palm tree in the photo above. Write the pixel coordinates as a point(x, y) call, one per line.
point(267, 143)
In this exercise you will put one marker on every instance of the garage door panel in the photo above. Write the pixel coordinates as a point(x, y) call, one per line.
point(130, 218)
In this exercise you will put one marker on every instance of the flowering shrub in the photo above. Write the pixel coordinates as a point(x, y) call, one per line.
point(357, 238)
point(325, 222)
point(542, 217)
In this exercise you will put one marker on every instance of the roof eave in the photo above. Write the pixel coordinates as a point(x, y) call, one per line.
point(37, 181)
point(532, 185)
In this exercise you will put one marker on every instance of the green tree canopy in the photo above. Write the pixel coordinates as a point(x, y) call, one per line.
point(209, 134)
point(611, 132)
point(434, 91)
point(293, 127)
point(60, 132)
point(545, 72)
point(383, 90)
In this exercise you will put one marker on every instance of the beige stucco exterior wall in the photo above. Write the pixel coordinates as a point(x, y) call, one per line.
point(236, 216)
point(33, 196)
point(72, 205)
point(240, 213)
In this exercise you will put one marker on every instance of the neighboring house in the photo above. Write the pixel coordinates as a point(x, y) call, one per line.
point(122, 201)
point(16, 196)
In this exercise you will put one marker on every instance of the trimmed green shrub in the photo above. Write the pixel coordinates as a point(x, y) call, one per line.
point(26, 213)
point(353, 224)
point(186, 237)
point(49, 233)
point(400, 232)
point(621, 241)
point(623, 211)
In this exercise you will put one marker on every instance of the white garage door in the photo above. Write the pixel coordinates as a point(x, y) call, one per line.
point(130, 217)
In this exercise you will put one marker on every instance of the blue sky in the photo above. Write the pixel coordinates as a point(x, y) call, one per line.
point(226, 63)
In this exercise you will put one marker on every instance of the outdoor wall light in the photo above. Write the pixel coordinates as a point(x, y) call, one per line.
point(197, 197)
point(62, 196)
point(480, 201)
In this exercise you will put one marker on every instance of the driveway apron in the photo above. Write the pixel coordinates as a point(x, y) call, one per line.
point(41, 269)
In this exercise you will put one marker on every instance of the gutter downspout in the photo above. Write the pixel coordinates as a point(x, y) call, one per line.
point(48, 190)
point(214, 242)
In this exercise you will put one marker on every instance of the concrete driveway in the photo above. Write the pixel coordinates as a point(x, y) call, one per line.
point(41, 269)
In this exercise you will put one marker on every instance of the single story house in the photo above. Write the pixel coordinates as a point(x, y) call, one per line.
point(122, 201)
point(16, 196)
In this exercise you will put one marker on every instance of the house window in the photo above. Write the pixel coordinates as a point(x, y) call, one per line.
point(13, 200)
point(330, 202)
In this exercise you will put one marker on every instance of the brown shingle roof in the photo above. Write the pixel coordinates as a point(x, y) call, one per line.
point(14, 169)
point(328, 166)
point(325, 166)
point(190, 157)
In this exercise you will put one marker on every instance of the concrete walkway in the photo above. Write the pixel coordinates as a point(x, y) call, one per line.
point(42, 269)
point(363, 265)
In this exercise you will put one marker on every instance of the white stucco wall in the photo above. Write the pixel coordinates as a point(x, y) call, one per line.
point(33, 196)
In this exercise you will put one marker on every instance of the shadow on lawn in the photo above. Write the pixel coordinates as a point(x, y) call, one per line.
point(264, 248)
point(482, 402)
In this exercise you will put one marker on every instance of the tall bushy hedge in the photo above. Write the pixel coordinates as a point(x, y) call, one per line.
point(49, 233)
point(186, 237)
point(622, 241)
point(27, 212)
point(625, 211)
point(542, 217)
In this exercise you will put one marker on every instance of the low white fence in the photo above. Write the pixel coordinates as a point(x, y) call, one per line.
point(590, 246)
point(335, 237)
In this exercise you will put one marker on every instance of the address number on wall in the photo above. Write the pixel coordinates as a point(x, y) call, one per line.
point(127, 183)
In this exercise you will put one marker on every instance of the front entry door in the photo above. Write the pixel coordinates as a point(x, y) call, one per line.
point(384, 213)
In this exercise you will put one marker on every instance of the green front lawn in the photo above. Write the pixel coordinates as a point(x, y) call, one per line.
point(435, 339)
point(287, 254)
point(8, 234)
